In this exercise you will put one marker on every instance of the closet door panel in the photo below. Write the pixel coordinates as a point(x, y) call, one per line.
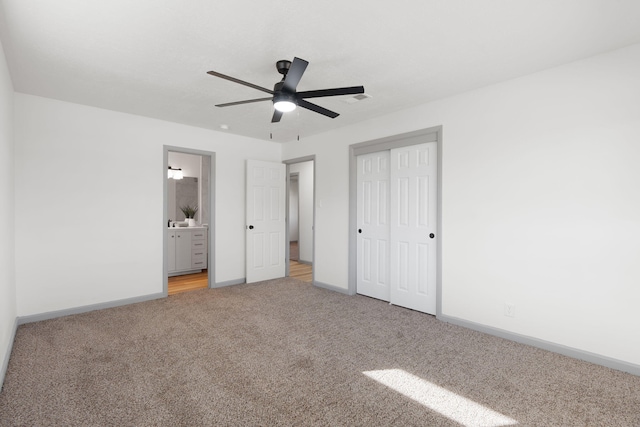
point(413, 178)
point(372, 241)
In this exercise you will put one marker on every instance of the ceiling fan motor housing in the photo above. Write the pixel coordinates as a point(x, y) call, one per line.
point(282, 95)
point(278, 86)
point(284, 101)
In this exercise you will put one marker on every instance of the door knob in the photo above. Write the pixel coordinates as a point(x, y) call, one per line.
point(432, 235)
point(251, 227)
point(359, 230)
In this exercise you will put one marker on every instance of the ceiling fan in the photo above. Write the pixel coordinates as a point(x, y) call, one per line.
point(284, 95)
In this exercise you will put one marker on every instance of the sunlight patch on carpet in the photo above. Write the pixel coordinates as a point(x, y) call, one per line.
point(451, 405)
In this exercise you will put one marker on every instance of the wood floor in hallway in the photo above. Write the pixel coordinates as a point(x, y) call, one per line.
point(190, 282)
point(187, 282)
point(300, 271)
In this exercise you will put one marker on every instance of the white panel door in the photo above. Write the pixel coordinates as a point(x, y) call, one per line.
point(413, 227)
point(265, 228)
point(372, 242)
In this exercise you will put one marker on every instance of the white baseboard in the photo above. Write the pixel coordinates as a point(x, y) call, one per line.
point(608, 362)
point(331, 287)
point(5, 361)
point(229, 283)
point(86, 308)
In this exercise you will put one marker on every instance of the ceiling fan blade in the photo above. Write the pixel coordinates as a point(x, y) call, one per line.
point(233, 79)
point(318, 109)
point(248, 101)
point(353, 90)
point(277, 115)
point(294, 74)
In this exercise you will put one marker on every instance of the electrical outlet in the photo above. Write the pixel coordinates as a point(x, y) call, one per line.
point(509, 309)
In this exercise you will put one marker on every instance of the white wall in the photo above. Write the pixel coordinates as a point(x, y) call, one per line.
point(305, 211)
point(541, 206)
point(76, 169)
point(7, 269)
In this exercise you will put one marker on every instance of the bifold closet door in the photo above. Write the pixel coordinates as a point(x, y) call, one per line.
point(413, 181)
point(372, 241)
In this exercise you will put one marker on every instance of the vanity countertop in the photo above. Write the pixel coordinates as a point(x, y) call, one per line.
point(199, 227)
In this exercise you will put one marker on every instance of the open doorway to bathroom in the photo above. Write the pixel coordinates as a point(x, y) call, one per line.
point(301, 218)
point(188, 216)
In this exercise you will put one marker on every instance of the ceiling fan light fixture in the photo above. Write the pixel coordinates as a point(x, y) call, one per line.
point(284, 106)
point(284, 103)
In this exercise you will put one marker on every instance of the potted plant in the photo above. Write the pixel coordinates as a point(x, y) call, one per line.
point(189, 214)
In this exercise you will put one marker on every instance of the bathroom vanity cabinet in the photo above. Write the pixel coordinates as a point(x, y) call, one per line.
point(187, 250)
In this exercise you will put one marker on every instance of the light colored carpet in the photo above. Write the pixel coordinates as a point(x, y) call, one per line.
point(286, 353)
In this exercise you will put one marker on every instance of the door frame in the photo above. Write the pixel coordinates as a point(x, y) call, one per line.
point(313, 221)
point(433, 134)
point(165, 214)
point(290, 178)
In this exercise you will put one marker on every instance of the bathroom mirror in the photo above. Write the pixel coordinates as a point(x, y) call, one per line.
point(182, 192)
point(193, 189)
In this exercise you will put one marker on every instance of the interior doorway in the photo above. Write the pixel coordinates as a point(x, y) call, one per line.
point(188, 220)
point(301, 218)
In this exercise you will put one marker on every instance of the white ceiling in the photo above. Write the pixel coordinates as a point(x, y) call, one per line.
point(150, 57)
